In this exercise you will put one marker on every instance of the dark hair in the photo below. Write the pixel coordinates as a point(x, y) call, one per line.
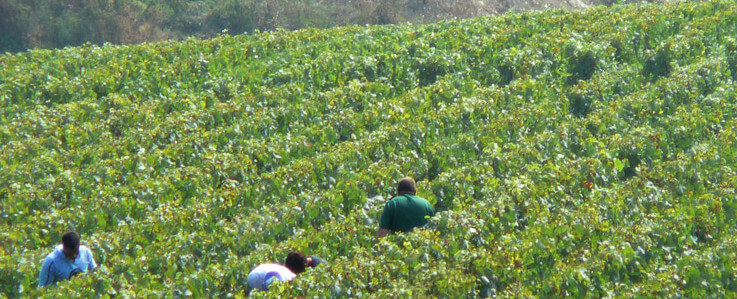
point(406, 185)
point(70, 240)
point(296, 262)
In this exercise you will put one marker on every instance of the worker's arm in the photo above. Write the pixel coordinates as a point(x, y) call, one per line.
point(385, 223)
point(46, 276)
point(92, 265)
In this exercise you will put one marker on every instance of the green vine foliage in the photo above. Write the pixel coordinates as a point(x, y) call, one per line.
point(568, 153)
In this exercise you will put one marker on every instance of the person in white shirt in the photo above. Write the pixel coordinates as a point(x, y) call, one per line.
point(264, 275)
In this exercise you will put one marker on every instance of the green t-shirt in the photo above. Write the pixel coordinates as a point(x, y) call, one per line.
point(405, 212)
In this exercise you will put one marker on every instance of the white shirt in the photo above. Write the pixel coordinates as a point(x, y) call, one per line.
point(263, 275)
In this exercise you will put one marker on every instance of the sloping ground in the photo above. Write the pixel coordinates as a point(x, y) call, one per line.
point(587, 153)
point(443, 10)
point(35, 24)
point(430, 11)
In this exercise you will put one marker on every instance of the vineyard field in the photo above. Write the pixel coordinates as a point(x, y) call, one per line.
point(585, 153)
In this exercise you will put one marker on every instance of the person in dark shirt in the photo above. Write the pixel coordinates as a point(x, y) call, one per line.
point(405, 211)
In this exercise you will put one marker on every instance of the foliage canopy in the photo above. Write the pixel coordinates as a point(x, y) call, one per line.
point(587, 153)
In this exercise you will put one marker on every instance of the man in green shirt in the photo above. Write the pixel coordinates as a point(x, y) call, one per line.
point(405, 211)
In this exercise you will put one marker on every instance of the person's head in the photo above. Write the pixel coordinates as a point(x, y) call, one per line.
point(70, 245)
point(296, 262)
point(406, 186)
